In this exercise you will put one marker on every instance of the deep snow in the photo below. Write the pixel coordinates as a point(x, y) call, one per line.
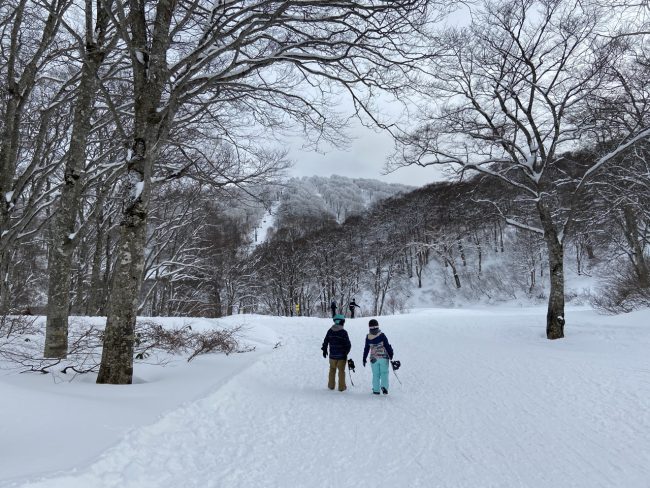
point(486, 401)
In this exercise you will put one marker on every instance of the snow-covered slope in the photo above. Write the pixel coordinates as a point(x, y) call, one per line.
point(337, 196)
point(261, 232)
point(485, 400)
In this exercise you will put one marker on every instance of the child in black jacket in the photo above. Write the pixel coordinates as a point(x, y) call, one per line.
point(339, 347)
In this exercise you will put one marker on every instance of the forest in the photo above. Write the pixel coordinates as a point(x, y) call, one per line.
point(141, 145)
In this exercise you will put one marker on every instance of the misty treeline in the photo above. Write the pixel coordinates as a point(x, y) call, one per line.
point(130, 126)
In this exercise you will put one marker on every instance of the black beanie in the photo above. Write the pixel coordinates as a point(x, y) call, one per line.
point(373, 323)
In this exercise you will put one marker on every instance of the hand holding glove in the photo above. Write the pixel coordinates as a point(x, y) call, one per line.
point(351, 365)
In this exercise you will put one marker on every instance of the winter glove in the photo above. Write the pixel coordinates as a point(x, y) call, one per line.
point(351, 365)
point(364, 363)
point(324, 353)
point(396, 365)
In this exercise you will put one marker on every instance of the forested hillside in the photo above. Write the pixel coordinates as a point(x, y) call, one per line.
point(443, 244)
point(198, 244)
point(451, 243)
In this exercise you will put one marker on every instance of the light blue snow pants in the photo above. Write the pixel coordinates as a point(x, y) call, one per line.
point(379, 374)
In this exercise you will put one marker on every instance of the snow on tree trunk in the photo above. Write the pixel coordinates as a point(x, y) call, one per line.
point(4, 283)
point(119, 337)
point(8, 155)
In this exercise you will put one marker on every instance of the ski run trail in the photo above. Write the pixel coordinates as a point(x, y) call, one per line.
point(485, 401)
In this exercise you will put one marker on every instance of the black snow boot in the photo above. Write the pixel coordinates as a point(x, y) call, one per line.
point(384, 390)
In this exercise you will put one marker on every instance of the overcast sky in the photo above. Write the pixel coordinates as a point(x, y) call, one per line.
point(366, 154)
point(364, 157)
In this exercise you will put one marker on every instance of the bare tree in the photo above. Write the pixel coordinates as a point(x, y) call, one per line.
point(217, 62)
point(619, 198)
point(92, 50)
point(511, 89)
point(28, 49)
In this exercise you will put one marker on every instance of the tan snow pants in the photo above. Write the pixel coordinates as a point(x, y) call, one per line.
point(334, 365)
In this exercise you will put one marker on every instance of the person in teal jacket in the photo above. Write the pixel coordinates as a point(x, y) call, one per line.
point(380, 353)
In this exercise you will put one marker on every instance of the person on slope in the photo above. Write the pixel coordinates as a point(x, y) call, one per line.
point(352, 306)
point(333, 307)
point(339, 347)
point(380, 353)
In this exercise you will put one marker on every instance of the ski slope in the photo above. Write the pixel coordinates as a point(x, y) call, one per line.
point(485, 401)
point(261, 233)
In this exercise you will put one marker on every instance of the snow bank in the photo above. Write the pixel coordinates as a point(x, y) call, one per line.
point(49, 424)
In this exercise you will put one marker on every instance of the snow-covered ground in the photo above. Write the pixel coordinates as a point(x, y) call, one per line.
point(485, 401)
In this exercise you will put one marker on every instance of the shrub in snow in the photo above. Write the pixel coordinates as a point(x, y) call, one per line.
point(622, 291)
point(22, 341)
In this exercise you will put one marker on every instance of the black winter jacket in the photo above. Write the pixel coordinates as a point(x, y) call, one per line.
point(338, 341)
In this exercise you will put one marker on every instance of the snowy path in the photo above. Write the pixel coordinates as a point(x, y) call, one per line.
point(490, 405)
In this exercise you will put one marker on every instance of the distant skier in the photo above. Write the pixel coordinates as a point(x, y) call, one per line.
point(339, 347)
point(333, 307)
point(380, 353)
point(352, 306)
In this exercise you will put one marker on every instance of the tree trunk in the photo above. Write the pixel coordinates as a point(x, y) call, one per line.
point(8, 155)
point(108, 268)
point(479, 251)
point(150, 129)
point(501, 238)
point(119, 337)
point(217, 304)
point(631, 231)
point(4, 284)
point(18, 88)
point(385, 288)
point(555, 315)
point(95, 275)
point(454, 271)
point(65, 233)
point(81, 295)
